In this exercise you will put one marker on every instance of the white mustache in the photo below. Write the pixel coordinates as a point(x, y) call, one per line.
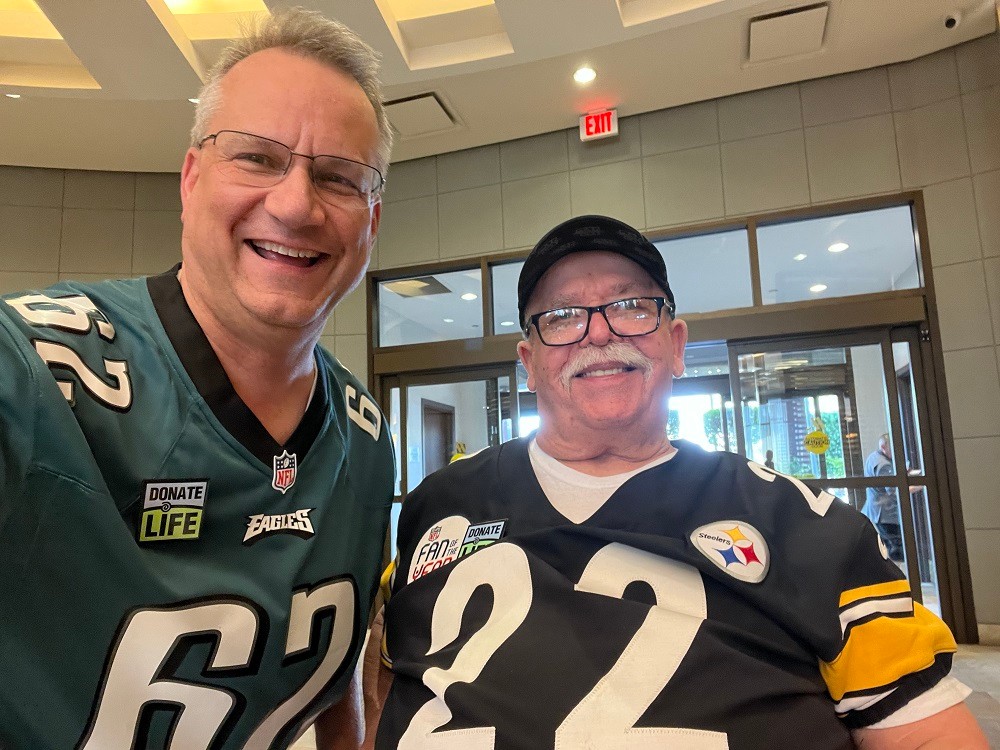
point(618, 352)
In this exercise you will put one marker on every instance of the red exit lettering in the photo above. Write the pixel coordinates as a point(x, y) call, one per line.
point(599, 125)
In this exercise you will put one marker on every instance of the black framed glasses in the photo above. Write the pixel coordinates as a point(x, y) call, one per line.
point(256, 161)
point(635, 316)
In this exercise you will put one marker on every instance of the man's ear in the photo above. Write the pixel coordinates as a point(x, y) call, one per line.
point(190, 171)
point(376, 218)
point(525, 354)
point(678, 341)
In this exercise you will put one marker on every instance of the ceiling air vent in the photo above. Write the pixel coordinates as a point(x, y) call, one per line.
point(419, 115)
point(787, 34)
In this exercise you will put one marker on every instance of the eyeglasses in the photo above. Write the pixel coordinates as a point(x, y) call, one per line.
point(255, 161)
point(636, 316)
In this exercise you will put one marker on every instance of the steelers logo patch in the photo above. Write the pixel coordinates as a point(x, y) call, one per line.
point(735, 547)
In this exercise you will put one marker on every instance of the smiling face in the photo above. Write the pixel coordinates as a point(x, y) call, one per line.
point(278, 256)
point(604, 383)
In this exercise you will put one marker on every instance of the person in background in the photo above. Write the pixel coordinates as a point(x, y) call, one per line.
point(769, 459)
point(194, 494)
point(881, 504)
point(594, 585)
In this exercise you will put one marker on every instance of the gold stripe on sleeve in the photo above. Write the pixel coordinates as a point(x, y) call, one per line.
point(881, 651)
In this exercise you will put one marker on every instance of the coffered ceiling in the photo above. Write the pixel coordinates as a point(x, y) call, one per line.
point(105, 84)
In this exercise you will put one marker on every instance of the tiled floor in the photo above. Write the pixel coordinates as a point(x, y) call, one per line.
point(979, 668)
point(976, 666)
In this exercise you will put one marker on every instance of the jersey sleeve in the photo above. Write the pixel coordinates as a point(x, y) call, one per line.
point(18, 403)
point(892, 649)
point(385, 588)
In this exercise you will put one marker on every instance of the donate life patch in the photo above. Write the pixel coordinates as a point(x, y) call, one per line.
point(172, 510)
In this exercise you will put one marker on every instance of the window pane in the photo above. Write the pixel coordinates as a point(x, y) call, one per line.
point(709, 272)
point(814, 413)
point(527, 405)
point(435, 307)
point(701, 407)
point(926, 562)
point(505, 297)
point(837, 256)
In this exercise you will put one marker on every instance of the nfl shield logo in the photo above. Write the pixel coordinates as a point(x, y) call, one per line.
point(284, 471)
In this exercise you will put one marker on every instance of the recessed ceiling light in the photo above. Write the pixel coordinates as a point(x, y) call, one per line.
point(838, 247)
point(469, 296)
point(817, 288)
point(506, 323)
point(449, 320)
point(13, 96)
point(800, 256)
point(194, 100)
point(584, 75)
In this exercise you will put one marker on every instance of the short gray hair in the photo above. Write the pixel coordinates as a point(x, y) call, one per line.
point(312, 35)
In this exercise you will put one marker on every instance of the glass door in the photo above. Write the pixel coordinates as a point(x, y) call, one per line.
point(701, 405)
point(437, 418)
point(846, 414)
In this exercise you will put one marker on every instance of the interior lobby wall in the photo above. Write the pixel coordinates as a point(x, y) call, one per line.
point(930, 124)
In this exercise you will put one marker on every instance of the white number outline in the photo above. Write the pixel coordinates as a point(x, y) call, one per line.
point(504, 568)
point(308, 605)
point(76, 314)
point(649, 660)
point(366, 415)
point(62, 357)
point(818, 504)
point(233, 652)
point(107, 728)
point(607, 715)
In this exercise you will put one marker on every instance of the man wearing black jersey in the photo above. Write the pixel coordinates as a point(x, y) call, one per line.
point(595, 586)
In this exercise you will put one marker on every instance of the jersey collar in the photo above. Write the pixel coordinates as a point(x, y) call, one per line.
point(212, 382)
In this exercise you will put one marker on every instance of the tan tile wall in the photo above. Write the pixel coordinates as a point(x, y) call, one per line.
point(930, 124)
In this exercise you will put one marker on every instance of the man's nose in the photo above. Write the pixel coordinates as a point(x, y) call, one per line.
point(294, 201)
point(599, 332)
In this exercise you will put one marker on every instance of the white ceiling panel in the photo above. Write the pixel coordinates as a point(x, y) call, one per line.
point(504, 69)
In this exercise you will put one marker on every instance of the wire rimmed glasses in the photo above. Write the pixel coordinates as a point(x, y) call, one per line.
point(635, 316)
point(256, 161)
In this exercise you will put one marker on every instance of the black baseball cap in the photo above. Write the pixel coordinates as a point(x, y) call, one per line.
point(590, 233)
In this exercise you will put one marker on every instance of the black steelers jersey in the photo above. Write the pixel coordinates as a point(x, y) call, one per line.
point(710, 603)
point(173, 578)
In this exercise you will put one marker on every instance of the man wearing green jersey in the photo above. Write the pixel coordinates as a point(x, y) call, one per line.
point(193, 494)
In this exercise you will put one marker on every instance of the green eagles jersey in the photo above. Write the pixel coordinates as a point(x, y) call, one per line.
point(173, 578)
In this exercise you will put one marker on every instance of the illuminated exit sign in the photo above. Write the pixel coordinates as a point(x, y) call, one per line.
point(599, 125)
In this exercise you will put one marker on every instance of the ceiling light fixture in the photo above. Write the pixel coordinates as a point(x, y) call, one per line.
point(800, 256)
point(194, 100)
point(817, 288)
point(838, 247)
point(506, 323)
point(469, 296)
point(13, 96)
point(449, 320)
point(584, 75)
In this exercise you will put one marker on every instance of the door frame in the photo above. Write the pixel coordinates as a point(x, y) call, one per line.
point(939, 471)
point(403, 381)
point(436, 407)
